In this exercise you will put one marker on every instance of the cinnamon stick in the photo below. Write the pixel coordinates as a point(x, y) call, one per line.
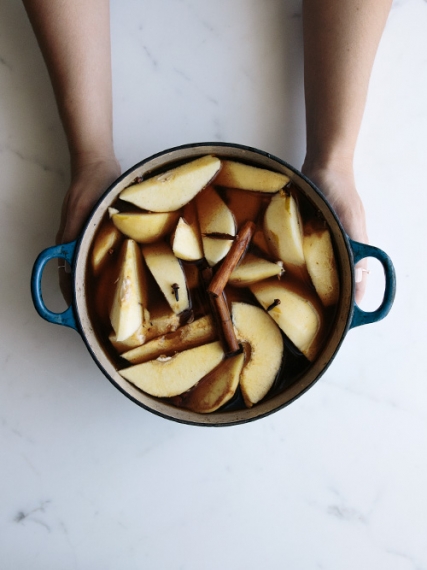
point(232, 258)
point(223, 313)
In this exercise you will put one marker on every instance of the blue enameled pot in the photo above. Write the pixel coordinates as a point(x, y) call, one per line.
point(348, 314)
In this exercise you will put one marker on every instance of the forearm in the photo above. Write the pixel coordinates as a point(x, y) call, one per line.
point(74, 36)
point(341, 38)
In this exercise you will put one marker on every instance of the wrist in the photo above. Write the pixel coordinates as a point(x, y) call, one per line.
point(83, 159)
point(341, 162)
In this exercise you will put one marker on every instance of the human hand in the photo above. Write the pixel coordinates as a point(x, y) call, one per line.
point(338, 186)
point(90, 178)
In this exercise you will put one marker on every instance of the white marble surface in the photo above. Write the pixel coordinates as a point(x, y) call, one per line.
point(338, 479)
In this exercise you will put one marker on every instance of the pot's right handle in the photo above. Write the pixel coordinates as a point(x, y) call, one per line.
point(360, 251)
point(64, 251)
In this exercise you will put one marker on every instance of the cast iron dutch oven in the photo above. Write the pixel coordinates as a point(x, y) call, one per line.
point(348, 314)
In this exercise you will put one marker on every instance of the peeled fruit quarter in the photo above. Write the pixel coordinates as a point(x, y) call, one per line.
point(216, 221)
point(136, 339)
point(263, 350)
point(215, 249)
point(245, 177)
point(185, 242)
point(127, 313)
point(283, 230)
point(321, 265)
point(200, 331)
point(145, 227)
point(173, 189)
point(216, 388)
point(170, 376)
point(298, 314)
point(253, 269)
point(168, 273)
point(162, 321)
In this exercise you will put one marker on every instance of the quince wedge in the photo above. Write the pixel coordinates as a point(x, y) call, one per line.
point(216, 388)
point(216, 223)
point(168, 273)
point(167, 377)
point(185, 243)
point(321, 264)
point(283, 231)
point(245, 177)
point(169, 191)
point(200, 331)
point(145, 227)
point(263, 347)
point(136, 339)
point(128, 312)
point(252, 269)
point(296, 310)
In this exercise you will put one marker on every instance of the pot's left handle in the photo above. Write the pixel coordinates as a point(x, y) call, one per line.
point(63, 251)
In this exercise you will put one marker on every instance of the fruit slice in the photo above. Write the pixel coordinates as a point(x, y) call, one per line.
point(162, 321)
point(136, 339)
point(112, 211)
point(156, 323)
point(106, 242)
point(298, 314)
point(171, 190)
point(185, 243)
point(321, 264)
point(283, 231)
point(239, 175)
point(252, 269)
point(130, 299)
point(188, 336)
point(145, 227)
point(216, 223)
point(159, 322)
point(171, 376)
point(169, 275)
point(244, 205)
point(216, 388)
point(263, 345)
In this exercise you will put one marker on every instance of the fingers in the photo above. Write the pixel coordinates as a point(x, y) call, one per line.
point(361, 280)
point(65, 283)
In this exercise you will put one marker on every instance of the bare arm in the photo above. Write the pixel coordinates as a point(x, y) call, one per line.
point(74, 36)
point(341, 38)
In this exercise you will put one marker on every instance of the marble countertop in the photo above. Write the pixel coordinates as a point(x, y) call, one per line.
point(336, 480)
